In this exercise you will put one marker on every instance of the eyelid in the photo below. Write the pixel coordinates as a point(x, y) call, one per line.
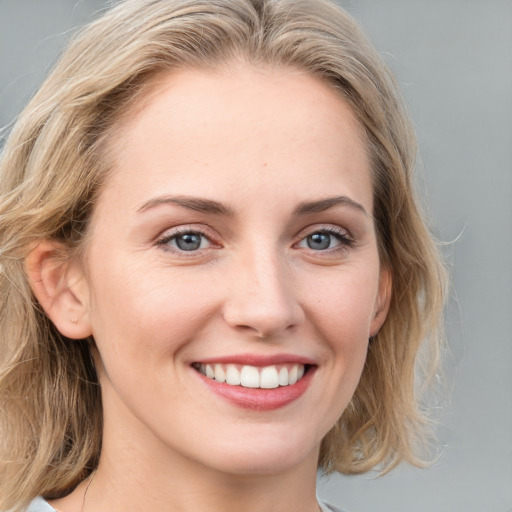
point(345, 238)
point(343, 234)
point(326, 228)
point(174, 232)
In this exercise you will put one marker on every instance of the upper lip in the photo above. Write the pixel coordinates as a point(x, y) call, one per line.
point(258, 360)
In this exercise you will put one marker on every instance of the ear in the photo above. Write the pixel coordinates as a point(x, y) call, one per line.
point(60, 288)
point(382, 301)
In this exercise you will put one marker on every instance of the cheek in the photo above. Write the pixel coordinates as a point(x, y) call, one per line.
point(342, 316)
point(139, 316)
point(344, 304)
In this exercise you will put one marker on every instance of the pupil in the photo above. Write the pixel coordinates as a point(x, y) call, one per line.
point(319, 241)
point(188, 242)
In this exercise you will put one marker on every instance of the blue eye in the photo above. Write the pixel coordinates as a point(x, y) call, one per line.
point(319, 241)
point(324, 240)
point(187, 241)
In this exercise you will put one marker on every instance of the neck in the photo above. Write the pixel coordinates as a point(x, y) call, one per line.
point(147, 476)
point(185, 486)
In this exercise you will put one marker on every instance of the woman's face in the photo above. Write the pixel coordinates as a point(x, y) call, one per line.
point(235, 241)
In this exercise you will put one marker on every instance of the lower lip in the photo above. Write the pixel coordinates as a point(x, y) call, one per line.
point(257, 398)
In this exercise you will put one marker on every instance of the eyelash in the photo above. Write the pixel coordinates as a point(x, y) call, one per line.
point(341, 235)
point(180, 232)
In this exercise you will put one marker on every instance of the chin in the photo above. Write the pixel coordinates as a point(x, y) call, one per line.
point(265, 456)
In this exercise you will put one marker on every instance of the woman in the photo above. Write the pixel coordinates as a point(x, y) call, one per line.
point(215, 276)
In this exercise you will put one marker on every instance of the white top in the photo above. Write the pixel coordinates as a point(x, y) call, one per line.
point(40, 505)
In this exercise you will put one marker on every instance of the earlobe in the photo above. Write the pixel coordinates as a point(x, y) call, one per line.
point(382, 302)
point(59, 288)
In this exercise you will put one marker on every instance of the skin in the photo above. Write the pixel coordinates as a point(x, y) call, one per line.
point(260, 142)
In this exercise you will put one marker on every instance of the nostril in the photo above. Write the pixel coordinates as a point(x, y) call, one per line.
point(263, 323)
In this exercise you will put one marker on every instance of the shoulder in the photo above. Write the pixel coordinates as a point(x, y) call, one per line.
point(39, 505)
point(327, 507)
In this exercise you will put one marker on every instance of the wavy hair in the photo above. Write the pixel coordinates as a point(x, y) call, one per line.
point(51, 172)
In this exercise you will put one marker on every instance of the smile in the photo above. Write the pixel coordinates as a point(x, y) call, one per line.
point(260, 383)
point(247, 376)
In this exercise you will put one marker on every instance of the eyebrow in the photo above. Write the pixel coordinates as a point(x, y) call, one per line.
point(192, 203)
point(322, 205)
point(210, 206)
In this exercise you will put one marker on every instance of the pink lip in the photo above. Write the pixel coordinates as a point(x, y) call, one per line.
point(259, 360)
point(256, 398)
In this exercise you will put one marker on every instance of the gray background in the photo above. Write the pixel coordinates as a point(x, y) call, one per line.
point(453, 59)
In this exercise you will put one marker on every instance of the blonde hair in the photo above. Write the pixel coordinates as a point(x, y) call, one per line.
point(55, 162)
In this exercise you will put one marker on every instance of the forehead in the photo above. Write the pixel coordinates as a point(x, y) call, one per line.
point(214, 131)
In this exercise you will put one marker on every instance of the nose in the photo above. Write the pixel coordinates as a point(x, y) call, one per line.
point(262, 298)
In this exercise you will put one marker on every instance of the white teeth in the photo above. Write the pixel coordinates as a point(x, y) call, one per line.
point(232, 375)
point(268, 377)
point(293, 375)
point(283, 376)
point(220, 374)
point(250, 377)
point(209, 372)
